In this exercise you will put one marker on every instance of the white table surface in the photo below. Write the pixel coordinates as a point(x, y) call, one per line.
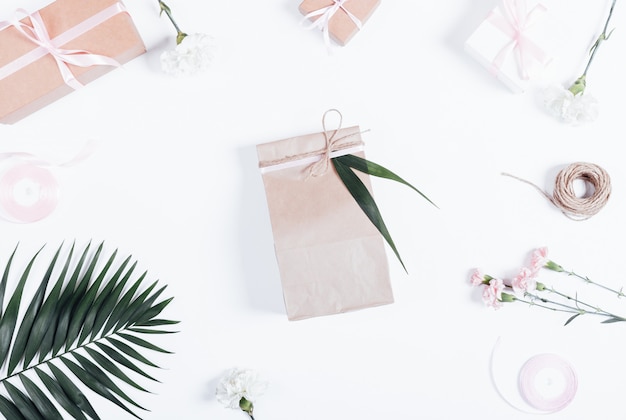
point(173, 181)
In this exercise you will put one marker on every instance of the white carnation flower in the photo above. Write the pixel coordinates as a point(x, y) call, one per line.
point(193, 55)
point(240, 387)
point(573, 109)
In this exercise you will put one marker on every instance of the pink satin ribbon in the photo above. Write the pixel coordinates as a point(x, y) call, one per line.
point(38, 34)
point(325, 14)
point(514, 22)
point(532, 392)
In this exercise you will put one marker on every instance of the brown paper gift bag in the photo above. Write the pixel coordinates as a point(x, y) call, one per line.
point(331, 258)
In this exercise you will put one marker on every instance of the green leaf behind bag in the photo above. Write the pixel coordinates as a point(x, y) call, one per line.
point(344, 166)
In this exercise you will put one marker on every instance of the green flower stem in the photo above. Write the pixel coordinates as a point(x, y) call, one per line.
point(180, 35)
point(578, 87)
point(571, 309)
point(603, 37)
point(586, 279)
point(533, 303)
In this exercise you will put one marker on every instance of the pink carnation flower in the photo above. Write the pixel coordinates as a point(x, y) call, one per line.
point(477, 278)
point(538, 259)
point(492, 294)
point(524, 281)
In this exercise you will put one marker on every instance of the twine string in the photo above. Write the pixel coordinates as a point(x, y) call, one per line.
point(564, 196)
point(320, 167)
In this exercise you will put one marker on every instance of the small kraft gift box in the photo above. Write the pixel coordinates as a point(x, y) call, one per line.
point(516, 42)
point(330, 256)
point(339, 20)
point(49, 53)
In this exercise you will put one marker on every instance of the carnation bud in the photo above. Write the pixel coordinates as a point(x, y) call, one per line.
point(551, 265)
point(579, 85)
point(507, 298)
point(246, 405)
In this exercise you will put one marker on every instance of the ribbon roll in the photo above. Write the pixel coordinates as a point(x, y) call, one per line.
point(28, 193)
point(532, 382)
point(547, 382)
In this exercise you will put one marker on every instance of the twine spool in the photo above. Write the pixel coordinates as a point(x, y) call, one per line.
point(564, 196)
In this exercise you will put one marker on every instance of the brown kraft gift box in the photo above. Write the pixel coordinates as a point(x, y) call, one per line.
point(330, 256)
point(341, 27)
point(39, 82)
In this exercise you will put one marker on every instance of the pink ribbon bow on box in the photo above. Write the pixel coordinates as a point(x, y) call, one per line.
point(514, 22)
point(325, 14)
point(38, 34)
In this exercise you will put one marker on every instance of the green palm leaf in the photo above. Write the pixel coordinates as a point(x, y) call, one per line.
point(88, 329)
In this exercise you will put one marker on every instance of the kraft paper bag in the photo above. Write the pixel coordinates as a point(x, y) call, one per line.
point(330, 256)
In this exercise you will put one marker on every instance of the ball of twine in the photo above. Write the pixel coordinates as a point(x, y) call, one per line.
point(564, 196)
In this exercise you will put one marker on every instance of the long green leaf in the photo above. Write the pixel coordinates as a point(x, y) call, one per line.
point(81, 293)
point(80, 315)
point(90, 318)
point(24, 331)
point(157, 322)
point(374, 169)
point(154, 310)
point(108, 305)
point(48, 317)
point(96, 386)
point(59, 395)
point(141, 342)
point(66, 302)
point(113, 369)
point(149, 331)
point(23, 403)
point(122, 305)
point(101, 376)
point(9, 318)
point(41, 401)
point(73, 392)
point(9, 410)
point(139, 305)
point(612, 320)
point(129, 351)
point(364, 199)
point(119, 358)
point(5, 278)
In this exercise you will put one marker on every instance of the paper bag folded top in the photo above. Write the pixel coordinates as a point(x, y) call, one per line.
point(331, 258)
point(58, 48)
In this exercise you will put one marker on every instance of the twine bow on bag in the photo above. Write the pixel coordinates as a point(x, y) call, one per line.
point(321, 166)
point(514, 22)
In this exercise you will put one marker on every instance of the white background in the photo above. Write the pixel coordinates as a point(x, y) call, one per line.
point(174, 182)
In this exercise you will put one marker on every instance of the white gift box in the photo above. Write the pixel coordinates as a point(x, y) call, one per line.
point(515, 42)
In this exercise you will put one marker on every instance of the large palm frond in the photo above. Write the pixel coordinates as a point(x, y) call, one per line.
point(86, 331)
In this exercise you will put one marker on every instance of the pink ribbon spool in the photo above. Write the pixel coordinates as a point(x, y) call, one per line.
point(28, 193)
point(547, 382)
